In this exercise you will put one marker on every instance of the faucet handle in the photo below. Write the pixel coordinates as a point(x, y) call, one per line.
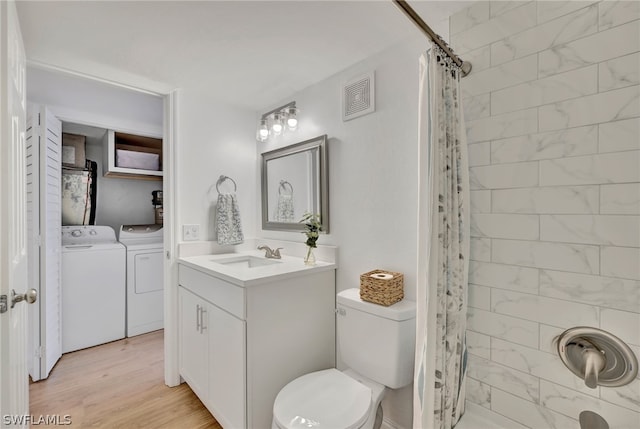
point(267, 250)
point(276, 253)
point(594, 363)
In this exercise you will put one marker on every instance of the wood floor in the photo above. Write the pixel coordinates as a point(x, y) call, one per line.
point(118, 385)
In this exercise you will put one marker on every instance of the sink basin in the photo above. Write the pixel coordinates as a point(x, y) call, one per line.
point(245, 261)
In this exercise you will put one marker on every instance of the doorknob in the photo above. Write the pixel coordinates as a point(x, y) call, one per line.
point(30, 296)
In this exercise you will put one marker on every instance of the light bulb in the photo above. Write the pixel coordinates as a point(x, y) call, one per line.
point(263, 131)
point(292, 118)
point(277, 126)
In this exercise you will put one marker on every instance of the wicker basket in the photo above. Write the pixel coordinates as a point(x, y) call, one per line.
point(382, 291)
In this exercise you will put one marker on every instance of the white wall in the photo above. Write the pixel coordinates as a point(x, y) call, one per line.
point(373, 172)
point(372, 167)
point(553, 116)
point(214, 140)
point(73, 98)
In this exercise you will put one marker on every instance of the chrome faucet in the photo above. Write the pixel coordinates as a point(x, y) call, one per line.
point(271, 254)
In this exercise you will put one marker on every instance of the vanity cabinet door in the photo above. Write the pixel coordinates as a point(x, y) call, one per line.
point(227, 383)
point(194, 342)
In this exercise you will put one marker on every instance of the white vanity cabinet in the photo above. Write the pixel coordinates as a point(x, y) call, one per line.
point(240, 344)
point(212, 349)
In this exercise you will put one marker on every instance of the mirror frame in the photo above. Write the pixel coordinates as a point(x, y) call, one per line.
point(319, 142)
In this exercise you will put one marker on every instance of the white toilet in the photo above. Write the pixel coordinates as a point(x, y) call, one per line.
point(377, 343)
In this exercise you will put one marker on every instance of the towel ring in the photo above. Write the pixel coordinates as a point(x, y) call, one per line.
point(222, 179)
point(282, 186)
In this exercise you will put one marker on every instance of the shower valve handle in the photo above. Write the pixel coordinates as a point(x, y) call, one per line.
point(594, 362)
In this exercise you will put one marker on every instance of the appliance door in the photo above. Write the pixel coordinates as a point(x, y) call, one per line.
point(93, 296)
point(148, 271)
point(145, 291)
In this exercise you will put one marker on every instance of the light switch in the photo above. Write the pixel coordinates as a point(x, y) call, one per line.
point(190, 232)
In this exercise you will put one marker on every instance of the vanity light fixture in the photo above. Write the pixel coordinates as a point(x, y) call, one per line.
point(278, 121)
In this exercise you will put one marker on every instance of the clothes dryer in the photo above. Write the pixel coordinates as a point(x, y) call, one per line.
point(145, 277)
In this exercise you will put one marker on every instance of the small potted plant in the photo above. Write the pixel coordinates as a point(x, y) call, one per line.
point(312, 228)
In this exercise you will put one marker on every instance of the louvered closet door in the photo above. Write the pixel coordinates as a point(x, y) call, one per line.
point(51, 235)
point(44, 163)
point(33, 233)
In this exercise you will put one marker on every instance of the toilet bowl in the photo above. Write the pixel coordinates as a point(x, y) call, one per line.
point(328, 399)
point(351, 399)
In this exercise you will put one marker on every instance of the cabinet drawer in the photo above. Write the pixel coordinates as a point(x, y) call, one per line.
point(225, 295)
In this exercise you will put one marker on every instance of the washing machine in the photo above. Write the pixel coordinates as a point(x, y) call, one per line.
point(93, 281)
point(145, 277)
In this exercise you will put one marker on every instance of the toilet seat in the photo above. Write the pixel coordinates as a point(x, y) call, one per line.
point(322, 399)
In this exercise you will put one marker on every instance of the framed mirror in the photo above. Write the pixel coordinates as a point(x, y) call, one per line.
point(295, 181)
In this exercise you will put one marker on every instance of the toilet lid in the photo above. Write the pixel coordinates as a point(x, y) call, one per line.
point(322, 399)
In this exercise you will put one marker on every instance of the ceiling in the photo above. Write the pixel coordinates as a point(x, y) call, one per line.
point(247, 53)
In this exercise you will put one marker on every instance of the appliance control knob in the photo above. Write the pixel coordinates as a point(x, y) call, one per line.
point(93, 232)
point(76, 233)
point(129, 229)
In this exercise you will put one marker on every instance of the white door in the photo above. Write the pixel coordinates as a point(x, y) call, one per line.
point(14, 387)
point(44, 158)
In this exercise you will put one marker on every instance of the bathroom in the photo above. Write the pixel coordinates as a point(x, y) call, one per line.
point(552, 118)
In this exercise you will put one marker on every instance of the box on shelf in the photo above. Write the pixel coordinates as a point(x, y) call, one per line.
point(138, 160)
point(73, 150)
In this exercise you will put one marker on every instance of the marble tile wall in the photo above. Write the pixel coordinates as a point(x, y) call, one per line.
point(552, 109)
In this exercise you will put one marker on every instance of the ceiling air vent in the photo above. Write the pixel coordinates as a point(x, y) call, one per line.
point(358, 97)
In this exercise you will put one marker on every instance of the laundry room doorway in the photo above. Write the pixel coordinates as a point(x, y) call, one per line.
point(116, 151)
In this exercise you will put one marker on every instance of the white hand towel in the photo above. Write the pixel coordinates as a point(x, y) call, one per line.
point(228, 220)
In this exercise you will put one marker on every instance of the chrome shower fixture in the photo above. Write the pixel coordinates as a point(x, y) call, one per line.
point(597, 356)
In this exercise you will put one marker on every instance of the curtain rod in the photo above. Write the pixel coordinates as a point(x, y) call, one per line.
point(465, 66)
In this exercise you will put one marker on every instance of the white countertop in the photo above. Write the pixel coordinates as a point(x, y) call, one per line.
point(286, 267)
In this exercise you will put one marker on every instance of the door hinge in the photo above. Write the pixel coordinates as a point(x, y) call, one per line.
point(40, 352)
point(3, 303)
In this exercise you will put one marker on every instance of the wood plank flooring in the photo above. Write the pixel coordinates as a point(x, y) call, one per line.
point(119, 385)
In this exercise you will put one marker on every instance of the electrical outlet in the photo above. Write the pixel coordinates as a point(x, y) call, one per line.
point(190, 232)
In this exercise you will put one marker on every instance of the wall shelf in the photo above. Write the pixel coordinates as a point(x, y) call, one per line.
point(132, 156)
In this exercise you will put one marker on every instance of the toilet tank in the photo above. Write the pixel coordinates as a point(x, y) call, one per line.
point(377, 342)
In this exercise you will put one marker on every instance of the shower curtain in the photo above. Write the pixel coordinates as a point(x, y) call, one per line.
point(443, 246)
